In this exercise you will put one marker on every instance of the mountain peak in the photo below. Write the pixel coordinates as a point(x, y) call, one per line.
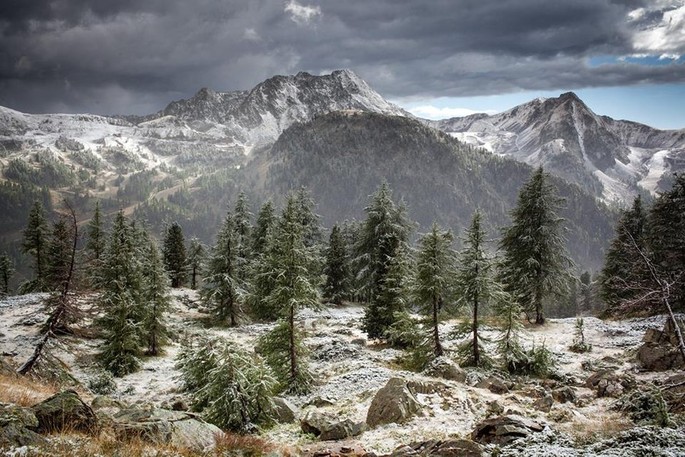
point(569, 96)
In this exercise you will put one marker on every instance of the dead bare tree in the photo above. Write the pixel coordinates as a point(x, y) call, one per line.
point(63, 311)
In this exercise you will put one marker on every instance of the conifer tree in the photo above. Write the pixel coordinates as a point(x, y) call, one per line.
point(336, 268)
point(243, 228)
point(222, 288)
point(196, 257)
point(478, 289)
point(6, 272)
point(175, 254)
point(509, 348)
point(308, 219)
point(435, 276)
point(121, 282)
point(535, 263)
point(156, 300)
point(623, 266)
point(295, 286)
point(58, 255)
point(266, 221)
point(96, 237)
point(35, 244)
point(382, 242)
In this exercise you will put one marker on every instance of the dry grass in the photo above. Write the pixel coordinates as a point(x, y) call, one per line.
point(590, 431)
point(24, 391)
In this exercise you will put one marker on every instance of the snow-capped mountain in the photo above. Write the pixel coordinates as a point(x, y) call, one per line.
point(613, 159)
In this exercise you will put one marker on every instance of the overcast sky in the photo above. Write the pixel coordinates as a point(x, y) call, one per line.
point(438, 58)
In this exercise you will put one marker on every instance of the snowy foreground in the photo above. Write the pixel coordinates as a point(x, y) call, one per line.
point(349, 371)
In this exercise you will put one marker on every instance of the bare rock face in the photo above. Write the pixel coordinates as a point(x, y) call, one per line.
point(328, 427)
point(494, 385)
point(394, 403)
point(65, 410)
point(505, 429)
point(660, 349)
point(17, 427)
point(442, 367)
point(284, 411)
point(610, 384)
point(448, 448)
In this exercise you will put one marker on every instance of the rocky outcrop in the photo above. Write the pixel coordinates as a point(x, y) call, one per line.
point(328, 427)
point(161, 426)
point(284, 411)
point(494, 385)
point(17, 427)
point(65, 410)
point(505, 429)
point(394, 403)
point(660, 349)
point(610, 384)
point(442, 367)
point(448, 448)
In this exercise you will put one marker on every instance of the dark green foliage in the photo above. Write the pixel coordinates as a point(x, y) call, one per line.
point(96, 237)
point(624, 269)
point(508, 314)
point(196, 257)
point(535, 264)
point(435, 279)
point(6, 272)
point(48, 172)
point(58, 255)
point(175, 254)
point(243, 230)
point(35, 244)
point(414, 336)
point(290, 266)
point(266, 221)
point(645, 406)
point(336, 269)
point(222, 287)
point(121, 281)
point(536, 361)
point(138, 186)
point(156, 298)
point(579, 345)
point(232, 388)
point(381, 260)
point(16, 201)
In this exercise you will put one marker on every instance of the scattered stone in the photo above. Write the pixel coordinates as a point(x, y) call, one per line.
point(103, 401)
point(494, 409)
point(494, 385)
point(65, 410)
point(564, 395)
point(660, 349)
point(334, 450)
point(434, 448)
point(426, 387)
point(544, 404)
point(328, 427)
point(610, 384)
point(445, 368)
point(359, 342)
point(335, 351)
point(162, 426)
point(393, 403)
point(284, 411)
point(504, 429)
point(321, 401)
point(17, 427)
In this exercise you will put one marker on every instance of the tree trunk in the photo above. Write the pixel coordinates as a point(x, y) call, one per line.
point(293, 352)
point(476, 349)
point(436, 333)
point(192, 277)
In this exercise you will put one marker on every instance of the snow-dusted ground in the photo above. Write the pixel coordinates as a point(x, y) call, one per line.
point(349, 369)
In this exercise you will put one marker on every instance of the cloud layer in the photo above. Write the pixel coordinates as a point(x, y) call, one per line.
point(134, 56)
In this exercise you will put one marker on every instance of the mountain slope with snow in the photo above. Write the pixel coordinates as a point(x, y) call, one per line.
point(612, 159)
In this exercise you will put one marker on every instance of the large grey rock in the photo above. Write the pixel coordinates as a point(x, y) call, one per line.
point(445, 368)
point(161, 426)
point(660, 349)
point(328, 427)
point(284, 411)
point(504, 429)
point(448, 448)
point(65, 410)
point(393, 403)
point(610, 384)
point(494, 385)
point(17, 427)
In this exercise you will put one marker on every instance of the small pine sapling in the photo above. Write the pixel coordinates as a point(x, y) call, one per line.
point(579, 345)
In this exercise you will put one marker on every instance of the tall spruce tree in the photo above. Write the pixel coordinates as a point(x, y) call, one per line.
point(383, 240)
point(623, 265)
point(435, 278)
point(196, 257)
point(535, 263)
point(96, 237)
point(666, 239)
point(243, 230)
point(336, 268)
point(175, 254)
point(6, 272)
point(478, 290)
point(222, 288)
point(289, 263)
point(266, 221)
point(58, 255)
point(157, 300)
point(121, 281)
point(35, 243)
point(308, 219)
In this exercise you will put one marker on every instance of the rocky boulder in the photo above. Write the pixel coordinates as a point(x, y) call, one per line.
point(494, 385)
point(660, 349)
point(393, 403)
point(328, 427)
point(161, 426)
point(445, 368)
point(505, 429)
point(448, 448)
point(565, 395)
point(284, 411)
point(17, 427)
point(65, 410)
point(610, 384)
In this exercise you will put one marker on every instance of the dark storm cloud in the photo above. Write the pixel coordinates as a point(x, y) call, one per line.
point(135, 56)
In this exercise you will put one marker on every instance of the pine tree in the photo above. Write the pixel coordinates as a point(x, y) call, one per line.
point(535, 263)
point(509, 348)
point(435, 275)
point(478, 289)
point(666, 240)
point(175, 254)
point(243, 229)
point(95, 245)
point(623, 266)
point(266, 221)
point(308, 219)
point(295, 286)
point(222, 288)
point(35, 244)
point(196, 257)
point(157, 301)
point(121, 282)
point(336, 268)
point(58, 255)
point(383, 238)
point(6, 272)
